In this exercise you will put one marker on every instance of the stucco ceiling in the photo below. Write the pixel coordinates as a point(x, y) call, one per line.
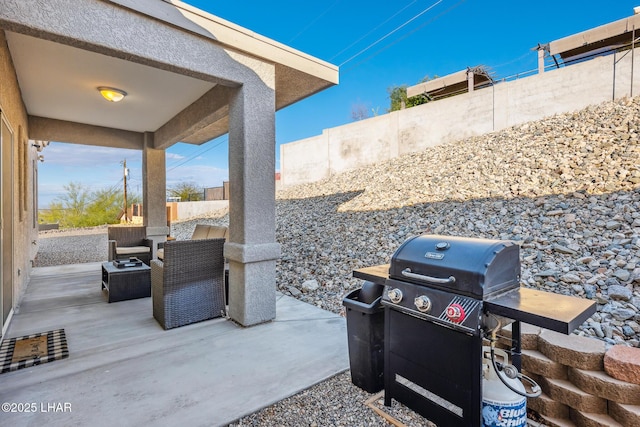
point(60, 82)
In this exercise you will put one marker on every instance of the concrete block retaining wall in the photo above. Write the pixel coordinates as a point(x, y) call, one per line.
point(583, 384)
point(506, 104)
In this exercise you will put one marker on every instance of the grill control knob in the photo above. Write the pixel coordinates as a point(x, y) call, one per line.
point(423, 303)
point(395, 295)
point(455, 313)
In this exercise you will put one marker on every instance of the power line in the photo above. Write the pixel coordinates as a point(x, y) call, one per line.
point(393, 31)
point(407, 35)
point(202, 149)
point(314, 21)
point(198, 154)
point(528, 53)
point(179, 153)
point(183, 154)
point(371, 31)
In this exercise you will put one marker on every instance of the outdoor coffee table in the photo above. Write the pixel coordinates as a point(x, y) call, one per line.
point(128, 282)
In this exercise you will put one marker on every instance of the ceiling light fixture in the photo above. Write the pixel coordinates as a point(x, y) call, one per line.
point(112, 94)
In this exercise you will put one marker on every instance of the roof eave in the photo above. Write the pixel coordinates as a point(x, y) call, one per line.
point(237, 38)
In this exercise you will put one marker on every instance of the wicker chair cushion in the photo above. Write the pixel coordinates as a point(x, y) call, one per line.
point(217, 232)
point(201, 232)
point(130, 250)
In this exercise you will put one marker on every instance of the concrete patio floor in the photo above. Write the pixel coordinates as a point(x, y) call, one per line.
point(124, 369)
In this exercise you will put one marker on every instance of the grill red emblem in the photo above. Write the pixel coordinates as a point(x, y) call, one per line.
point(455, 313)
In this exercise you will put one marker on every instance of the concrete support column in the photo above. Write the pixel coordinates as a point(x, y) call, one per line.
point(252, 249)
point(540, 60)
point(470, 80)
point(154, 193)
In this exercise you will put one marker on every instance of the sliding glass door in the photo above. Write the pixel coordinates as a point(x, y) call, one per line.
point(6, 219)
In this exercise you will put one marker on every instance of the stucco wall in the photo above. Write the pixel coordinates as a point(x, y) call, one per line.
point(193, 209)
point(23, 159)
point(451, 119)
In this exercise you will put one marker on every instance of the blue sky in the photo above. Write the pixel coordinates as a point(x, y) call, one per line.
point(377, 44)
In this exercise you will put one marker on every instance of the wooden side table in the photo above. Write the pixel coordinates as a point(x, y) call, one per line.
point(126, 283)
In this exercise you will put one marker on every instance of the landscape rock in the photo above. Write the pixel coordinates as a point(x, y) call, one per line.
point(571, 278)
point(310, 285)
point(623, 275)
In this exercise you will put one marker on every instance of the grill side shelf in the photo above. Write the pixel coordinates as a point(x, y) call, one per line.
point(559, 313)
point(376, 274)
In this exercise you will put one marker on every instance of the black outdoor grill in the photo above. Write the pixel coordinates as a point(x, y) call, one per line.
point(441, 295)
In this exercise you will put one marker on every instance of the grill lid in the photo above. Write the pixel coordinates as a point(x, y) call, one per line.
point(468, 266)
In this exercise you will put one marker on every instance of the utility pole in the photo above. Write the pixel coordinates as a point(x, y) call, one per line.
point(126, 219)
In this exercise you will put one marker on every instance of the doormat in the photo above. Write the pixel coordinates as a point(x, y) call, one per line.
point(23, 352)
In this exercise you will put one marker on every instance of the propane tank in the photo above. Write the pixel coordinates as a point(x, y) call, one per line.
point(501, 407)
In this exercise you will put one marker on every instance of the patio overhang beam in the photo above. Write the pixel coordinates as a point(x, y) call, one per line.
point(42, 128)
point(201, 121)
point(208, 117)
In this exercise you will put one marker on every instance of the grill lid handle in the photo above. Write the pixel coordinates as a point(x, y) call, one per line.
point(407, 273)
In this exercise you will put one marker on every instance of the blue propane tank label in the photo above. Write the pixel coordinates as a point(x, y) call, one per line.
point(504, 414)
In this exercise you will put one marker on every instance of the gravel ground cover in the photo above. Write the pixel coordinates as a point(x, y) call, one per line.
point(71, 246)
point(566, 188)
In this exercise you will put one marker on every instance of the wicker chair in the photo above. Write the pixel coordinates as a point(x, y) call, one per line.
point(126, 242)
point(188, 285)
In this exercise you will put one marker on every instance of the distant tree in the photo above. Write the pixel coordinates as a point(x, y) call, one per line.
point(187, 191)
point(68, 210)
point(398, 96)
point(359, 111)
point(79, 207)
point(52, 215)
point(107, 205)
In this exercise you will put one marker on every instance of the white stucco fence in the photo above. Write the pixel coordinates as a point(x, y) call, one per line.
point(194, 209)
point(490, 109)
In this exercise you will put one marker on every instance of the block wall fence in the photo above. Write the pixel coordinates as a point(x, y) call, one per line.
point(503, 105)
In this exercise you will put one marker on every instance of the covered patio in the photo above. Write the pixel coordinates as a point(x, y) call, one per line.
point(124, 369)
point(186, 76)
